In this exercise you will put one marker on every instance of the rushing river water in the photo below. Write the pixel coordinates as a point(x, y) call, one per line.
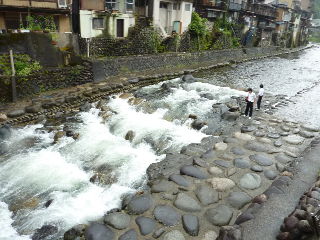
point(35, 170)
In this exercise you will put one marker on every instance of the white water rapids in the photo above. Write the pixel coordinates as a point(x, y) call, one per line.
point(31, 174)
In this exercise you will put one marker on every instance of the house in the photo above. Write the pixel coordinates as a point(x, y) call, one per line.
point(107, 17)
point(15, 15)
point(212, 9)
point(166, 15)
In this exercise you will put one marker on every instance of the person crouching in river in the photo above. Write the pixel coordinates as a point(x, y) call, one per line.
point(250, 99)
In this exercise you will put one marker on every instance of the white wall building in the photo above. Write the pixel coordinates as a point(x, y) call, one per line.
point(116, 18)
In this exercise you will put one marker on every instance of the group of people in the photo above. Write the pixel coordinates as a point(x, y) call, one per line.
point(251, 99)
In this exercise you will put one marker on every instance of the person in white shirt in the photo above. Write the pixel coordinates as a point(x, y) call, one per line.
point(250, 99)
point(260, 95)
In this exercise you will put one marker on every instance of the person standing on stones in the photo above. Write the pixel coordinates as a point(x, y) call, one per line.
point(260, 95)
point(250, 99)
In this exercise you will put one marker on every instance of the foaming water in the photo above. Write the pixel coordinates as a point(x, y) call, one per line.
point(32, 174)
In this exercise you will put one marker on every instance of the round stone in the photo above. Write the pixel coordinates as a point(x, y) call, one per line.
point(310, 127)
point(174, 235)
point(265, 140)
point(306, 134)
point(237, 151)
point(259, 133)
point(271, 175)
point(166, 215)
point(98, 231)
point(162, 186)
point(244, 136)
point(193, 171)
point(220, 215)
point(206, 195)
point(191, 224)
point(273, 135)
point(283, 158)
point(139, 204)
point(257, 168)
point(222, 163)
point(215, 171)
point(220, 146)
point(285, 128)
point(187, 203)
point(129, 235)
point(117, 220)
point(146, 225)
point(210, 235)
point(241, 163)
point(246, 129)
point(238, 199)
point(293, 139)
point(250, 181)
point(257, 146)
point(221, 184)
point(180, 180)
point(261, 159)
point(277, 143)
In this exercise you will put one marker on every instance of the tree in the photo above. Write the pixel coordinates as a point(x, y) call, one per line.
point(198, 27)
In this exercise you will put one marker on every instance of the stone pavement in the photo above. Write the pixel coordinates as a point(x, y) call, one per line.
point(222, 186)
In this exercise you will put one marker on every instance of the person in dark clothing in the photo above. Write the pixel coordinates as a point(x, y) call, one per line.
point(260, 95)
point(250, 99)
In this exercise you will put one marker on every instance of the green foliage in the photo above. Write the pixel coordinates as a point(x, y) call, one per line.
point(38, 23)
point(23, 64)
point(198, 25)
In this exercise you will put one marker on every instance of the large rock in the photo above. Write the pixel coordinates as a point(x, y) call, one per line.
point(270, 174)
point(230, 116)
point(174, 235)
point(206, 195)
point(74, 232)
point(180, 180)
point(261, 159)
point(220, 146)
point(5, 132)
point(220, 215)
point(16, 113)
point(129, 235)
point(198, 124)
point(221, 184)
point(146, 225)
point(238, 199)
point(44, 232)
point(188, 78)
point(187, 203)
point(257, 146)
point(191, 224)
point(166, 215)
point(162, 186)
point(3, 117)
point(140, 204)
point(193, 171)
point(33, 108)
point(250, 181)
point(117, 220)
point(98, 231)
point(293, 139)
point(130, 135)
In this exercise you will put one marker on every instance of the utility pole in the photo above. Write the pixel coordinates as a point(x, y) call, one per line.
point(13, 78)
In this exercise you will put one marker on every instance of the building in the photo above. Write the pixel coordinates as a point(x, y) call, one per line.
point(166, 15)
point(212, 9)
point(14, 14)
point(110, 17)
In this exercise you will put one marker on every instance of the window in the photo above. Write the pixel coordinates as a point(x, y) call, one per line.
point(163, 5)
point(111, 4)
point(97, 23)
point(188, 7)
point(176, 6)
point(129, 5)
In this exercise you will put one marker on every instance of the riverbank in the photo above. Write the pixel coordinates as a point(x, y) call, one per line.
point(63, 100)
point(209, 190)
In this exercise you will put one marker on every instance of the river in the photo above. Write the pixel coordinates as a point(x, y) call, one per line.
point(35, 171)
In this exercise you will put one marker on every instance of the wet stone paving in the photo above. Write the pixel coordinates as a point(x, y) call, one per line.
point(226, 183)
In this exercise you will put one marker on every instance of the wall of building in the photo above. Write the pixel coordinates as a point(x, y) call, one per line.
point(87, 31)
point(2, 22)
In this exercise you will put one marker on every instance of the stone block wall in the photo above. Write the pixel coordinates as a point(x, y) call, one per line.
point(114, 66)
point(44, 80)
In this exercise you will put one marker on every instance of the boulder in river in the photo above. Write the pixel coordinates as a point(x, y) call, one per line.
point(188, 78)
point(98, 231)
point(198, 124)
point(45, 231)
point(130, 135)
point(5, 132)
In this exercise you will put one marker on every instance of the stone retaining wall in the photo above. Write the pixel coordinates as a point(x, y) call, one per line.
point(45, 80)
point(111, 67)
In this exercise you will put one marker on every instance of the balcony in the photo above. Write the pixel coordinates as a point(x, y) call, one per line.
point(262, 10)
point(49, 6)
